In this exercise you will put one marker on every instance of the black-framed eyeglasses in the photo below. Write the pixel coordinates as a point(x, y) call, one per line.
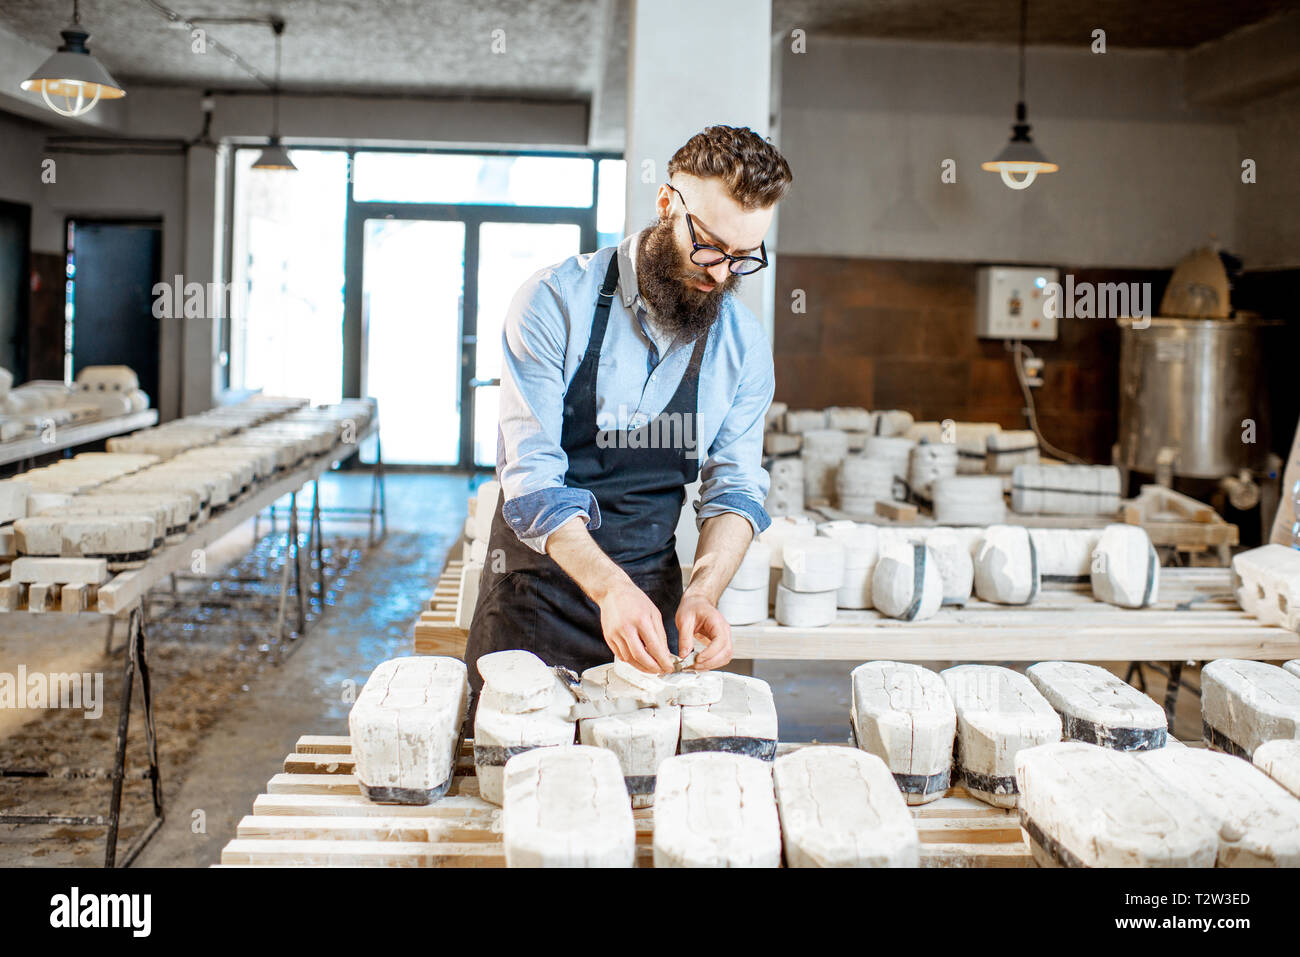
point(702, 254)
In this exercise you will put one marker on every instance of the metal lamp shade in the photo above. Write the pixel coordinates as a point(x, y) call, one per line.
point(1020, 155)
point(76, 76)
point(274, 156)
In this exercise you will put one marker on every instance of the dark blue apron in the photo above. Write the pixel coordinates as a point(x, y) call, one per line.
point(525, 599)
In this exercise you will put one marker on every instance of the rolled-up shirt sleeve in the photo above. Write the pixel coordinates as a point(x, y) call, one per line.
point(531, 463)
point(732, 478)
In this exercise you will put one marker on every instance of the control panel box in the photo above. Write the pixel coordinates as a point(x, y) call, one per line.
point(1009, 302)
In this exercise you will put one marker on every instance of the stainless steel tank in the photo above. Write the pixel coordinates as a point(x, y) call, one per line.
point(1187, 385)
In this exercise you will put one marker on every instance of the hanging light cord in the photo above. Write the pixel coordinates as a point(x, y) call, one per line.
point(278, 27)
point(1024, 26)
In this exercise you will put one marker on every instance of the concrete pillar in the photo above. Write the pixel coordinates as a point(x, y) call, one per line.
point(676, 47)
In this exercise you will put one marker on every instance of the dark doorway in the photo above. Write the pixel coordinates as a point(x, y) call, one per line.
point(113, 266)
point(15, 285)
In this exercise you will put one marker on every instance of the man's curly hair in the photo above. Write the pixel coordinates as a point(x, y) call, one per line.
point(755, 172)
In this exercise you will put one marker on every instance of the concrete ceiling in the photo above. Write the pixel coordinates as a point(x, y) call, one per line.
point(570, 49)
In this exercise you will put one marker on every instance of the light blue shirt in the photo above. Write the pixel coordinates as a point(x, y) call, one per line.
point(545, 336)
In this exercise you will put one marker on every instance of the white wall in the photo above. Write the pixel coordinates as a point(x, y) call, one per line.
point(1268, 211)
point(867, 124)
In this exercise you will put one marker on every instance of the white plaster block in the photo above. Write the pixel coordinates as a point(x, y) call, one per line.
point(805, 609)
point(1245, 703)
point(119, 538)
point(1125, 569)
point(692, 688)
point(812, 564)
point(742, 721)
point(1266, 582)
point(855, 588)
point(951, 556)
point(716, 810)
point(744, 606)
point(861, 482)
point(471, 574)
point(930, 462)
point(805, 420)
point(903, 714)
point(1065, 489)
point(1010, 448)
point(1096, 707)
point(891, 422)
point(774, 418)
point(13, 499)
point(1006, 568)
point(906, 583)
point(969, 500)
point(1280, 760)
point(519, 679)
point(567, 807)
point(895, 450)
point(753, 569)
point(1258, 821)
point(999, 712)
point(839, 807)
point(62, 571)
point(782, 443)
point(1292, 667)
point(120, 379)
point(848, 419)
point(784, 529)
point(500, 734)
point(1085, 806)
point(406, 728)
point(1065, 554)
point(827, 444)
point(641, 740)
point(487, 504)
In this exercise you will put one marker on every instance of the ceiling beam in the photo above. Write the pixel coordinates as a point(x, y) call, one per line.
point(1255, 61)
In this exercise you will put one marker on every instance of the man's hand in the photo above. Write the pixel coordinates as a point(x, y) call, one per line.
point(634, 628)
point(697, 617)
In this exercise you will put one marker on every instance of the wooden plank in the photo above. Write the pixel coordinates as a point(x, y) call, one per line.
point(13, 595)
point(324, 744)
point(73, 598)
point(897, 511)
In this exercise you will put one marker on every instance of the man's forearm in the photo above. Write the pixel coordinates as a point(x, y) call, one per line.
point(723, 541)
point(575, 551)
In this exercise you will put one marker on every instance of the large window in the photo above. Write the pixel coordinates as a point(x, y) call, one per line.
point(388, 273)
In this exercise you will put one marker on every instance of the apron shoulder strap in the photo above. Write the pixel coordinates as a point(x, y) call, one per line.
point(604, 298)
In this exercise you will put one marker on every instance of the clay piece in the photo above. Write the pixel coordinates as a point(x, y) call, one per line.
point(1096, 707)
point(406, 728)
point(716, 810)
point(1245, 703)
point(741, 721)
point(999, 713)
point(839, 808)
point(1125, 569)
point(567, 807)
point(1006, 567)
point(903, 714)
point(1085, 806)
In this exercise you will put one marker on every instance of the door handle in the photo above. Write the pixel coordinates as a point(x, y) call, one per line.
point(481, 383)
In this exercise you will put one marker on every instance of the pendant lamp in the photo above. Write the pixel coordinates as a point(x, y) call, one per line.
point(73, 75)
point(274, 156)
point(1020, 155)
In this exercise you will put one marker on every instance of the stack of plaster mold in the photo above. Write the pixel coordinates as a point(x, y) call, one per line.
point(716, 810)
point(890, 422)
point(861, 482)
point(895, 450)
point(839, 807)
point(742, 720)
point(861, 551)
point(785, 528)
point(1266, 582)
point(999, 713)
point(823, 451)
point(566, 807)
point(971, 439)
point(906, 582)
point(1006, 567)
point(1098, 708)
point(798, 421)
point(811, 576)
point(1246, 703)
point(1065, 489)
point(114, 389)
point(1006, 450)
point(34, 406)
point(856, 424)
point(1125, 569)
point(930, 462)
point(643, 738)
point(406, 728)
point(746, 598)
point(523, 705)
point(902, 713)
point(785, 494)
point(1087, 806)
point(968, 500)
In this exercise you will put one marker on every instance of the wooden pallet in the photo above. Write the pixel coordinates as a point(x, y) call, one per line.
point(1179, 521)
point(436, 632)
point(313, 815)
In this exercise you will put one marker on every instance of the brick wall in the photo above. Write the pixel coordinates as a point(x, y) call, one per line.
point(896, 334)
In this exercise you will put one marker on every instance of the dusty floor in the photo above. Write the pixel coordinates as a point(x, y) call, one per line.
point(230, 706)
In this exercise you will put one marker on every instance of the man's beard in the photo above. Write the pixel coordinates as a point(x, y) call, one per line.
point(663, 272)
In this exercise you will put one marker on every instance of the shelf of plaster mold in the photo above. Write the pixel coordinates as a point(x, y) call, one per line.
point(1196, 618)
point(70, 436)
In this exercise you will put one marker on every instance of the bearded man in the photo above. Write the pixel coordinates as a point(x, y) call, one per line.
point(605, 354)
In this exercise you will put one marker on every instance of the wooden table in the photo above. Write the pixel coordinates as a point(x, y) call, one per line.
point(1197, 618)
point(313, 815)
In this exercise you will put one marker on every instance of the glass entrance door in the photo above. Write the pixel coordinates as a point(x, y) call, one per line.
point(413, 293)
